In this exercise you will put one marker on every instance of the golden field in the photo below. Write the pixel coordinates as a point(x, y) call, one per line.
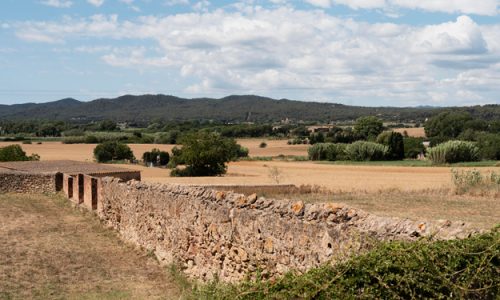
point(414, 132)
point(334, 177)
point(410, 192)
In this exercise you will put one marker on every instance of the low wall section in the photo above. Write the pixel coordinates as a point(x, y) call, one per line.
point(30, 183)
point(231, 235)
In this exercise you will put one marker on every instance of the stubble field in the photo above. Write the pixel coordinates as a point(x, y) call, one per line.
point(334, 177)
point(423, 193)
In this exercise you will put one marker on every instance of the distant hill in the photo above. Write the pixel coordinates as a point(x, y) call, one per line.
point(246, 108)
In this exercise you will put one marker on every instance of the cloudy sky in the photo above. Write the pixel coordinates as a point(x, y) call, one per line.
point(362, 52)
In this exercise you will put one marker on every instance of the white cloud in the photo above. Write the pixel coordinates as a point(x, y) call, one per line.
point(460, 37)
point(300, 54)
point(478, 7)
point(57, 3)
point(96, 3)
point(176, 2)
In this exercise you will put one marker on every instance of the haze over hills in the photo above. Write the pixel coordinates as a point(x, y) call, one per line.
point(244, 108)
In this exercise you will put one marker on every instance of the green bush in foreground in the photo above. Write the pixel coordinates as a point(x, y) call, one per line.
point(456, 269)
point(453, 152)
point(366, 151)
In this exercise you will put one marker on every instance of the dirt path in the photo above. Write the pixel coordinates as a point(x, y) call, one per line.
point(51, 251)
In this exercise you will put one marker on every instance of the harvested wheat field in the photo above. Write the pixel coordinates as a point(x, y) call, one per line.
point(414, 132)
point(52, 251)
point(84, 152)
point(334, 177)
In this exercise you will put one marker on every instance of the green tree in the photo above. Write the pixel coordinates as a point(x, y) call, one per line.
point(108, 125)
point(157, 157)
point(15, 153)
point(446, 126)
point(368, 127)
point(395, 144)
point(204, 154)
point(413, 146)
point(112, 150)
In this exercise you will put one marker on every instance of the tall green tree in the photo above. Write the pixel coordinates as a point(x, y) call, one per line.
point(395, 144)
point(204, 154)
point(368, 127)
point(109, 151)
point(446, 126)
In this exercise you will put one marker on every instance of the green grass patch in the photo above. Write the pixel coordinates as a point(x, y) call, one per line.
point(458, 269)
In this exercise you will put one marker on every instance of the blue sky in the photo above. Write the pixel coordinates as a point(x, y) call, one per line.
point(362, 52)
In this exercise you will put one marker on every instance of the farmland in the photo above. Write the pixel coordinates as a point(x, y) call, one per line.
point(334, 177)
point(405, 191)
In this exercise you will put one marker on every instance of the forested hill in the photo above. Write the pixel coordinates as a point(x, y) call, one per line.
point(230, 109)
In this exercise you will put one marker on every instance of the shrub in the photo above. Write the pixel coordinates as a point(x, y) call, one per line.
point(263, 145)
point(365, 151)
point(413, 146)
point(327, 151)
point(204, 154)
point(489, 146)
point(16, 153)
point(395, 144)
point(454, 269)
point(453, 151)
point(241, 152)
point(109, 151)
point(26, 142)
point(473, 180)
point(156, 157)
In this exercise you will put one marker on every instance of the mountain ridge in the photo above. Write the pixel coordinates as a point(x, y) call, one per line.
point(232, 108)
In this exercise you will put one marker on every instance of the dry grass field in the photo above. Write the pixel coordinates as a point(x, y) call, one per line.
point(413, 192)
point(414, 132)
point(334, 177)
point(49, 250)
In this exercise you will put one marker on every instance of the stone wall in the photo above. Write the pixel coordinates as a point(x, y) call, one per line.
point(124, 176)
point(20, 182)
point(231, 235)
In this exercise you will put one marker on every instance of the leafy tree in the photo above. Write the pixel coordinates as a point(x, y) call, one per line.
point(413, 146)
point(15, 153)
point(204, 154)
point(112, 150)
point(368, 127)
point(340, 135)
point(446, 126)
point(489, 145)
point(395, 144)
point(108, 125)
point(316, 138)
point(157, 157)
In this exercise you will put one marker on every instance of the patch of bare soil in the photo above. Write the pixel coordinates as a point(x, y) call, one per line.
point(49, 250)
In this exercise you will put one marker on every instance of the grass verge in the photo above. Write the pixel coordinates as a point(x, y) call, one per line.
point(49, 250)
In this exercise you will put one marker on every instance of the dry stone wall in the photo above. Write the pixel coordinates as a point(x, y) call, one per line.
point(29, 183)
point(230, 235)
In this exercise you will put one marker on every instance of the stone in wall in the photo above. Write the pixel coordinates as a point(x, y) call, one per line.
point(230, 235)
